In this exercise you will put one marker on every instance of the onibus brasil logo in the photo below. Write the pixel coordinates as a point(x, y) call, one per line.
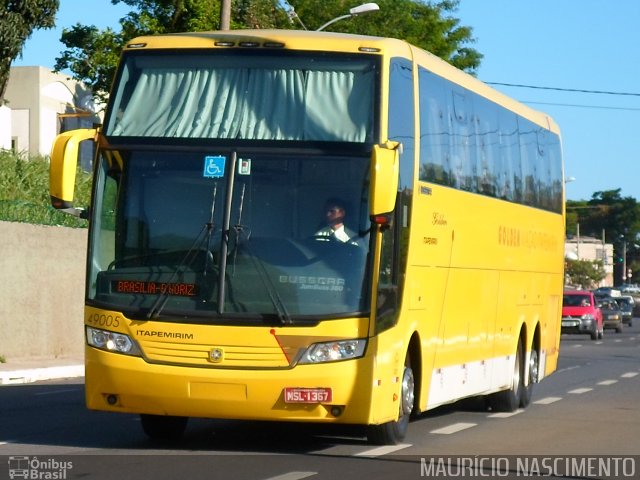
point(37, 469)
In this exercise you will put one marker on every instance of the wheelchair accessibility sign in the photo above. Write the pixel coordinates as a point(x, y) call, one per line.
point(214, 166)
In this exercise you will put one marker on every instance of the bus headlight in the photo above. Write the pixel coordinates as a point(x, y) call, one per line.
point(334, 351)
point(111, 341)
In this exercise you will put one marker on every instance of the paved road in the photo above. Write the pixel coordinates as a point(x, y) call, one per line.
point(590, 406)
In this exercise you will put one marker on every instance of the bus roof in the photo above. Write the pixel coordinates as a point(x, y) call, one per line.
point(337, 42)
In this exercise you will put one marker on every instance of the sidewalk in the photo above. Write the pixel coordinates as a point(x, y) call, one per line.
point(28, 370)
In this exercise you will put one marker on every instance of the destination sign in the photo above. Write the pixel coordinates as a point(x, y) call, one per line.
point(154, 288)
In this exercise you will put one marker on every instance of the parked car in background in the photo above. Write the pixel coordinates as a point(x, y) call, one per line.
point(636, 306)
point(611, 315)
point(607, 292)
point(626, 304)
point(630, 288)
point(580, 314)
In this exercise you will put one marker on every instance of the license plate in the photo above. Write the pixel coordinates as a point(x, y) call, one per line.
point(307, 395)
point(570, 323)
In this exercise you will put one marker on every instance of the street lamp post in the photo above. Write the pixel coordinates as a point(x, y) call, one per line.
point(354, 12)
point(624, 261)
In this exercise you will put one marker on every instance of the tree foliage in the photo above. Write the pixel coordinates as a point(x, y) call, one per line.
point(616, 218)
point(91, 54)
point(428, 25)
point(18, 20)
point(584, 273)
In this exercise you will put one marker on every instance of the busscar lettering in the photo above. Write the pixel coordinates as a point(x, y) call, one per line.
point(154, 288)
point(327, 284)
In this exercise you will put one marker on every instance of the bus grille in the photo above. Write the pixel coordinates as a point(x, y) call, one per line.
point(218, 356)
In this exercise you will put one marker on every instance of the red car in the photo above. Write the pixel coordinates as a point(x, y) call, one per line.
point(580, 314)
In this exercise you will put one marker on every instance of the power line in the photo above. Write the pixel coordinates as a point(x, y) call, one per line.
point(581, 106)
point(538, 87)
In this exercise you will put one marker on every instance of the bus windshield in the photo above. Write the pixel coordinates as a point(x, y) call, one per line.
point(241, 95)
point(202, 234)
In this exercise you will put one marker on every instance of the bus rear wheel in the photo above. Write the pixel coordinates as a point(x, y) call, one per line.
point(527, 390)
point(392, 433)
point(509, 400)
point(158, 427)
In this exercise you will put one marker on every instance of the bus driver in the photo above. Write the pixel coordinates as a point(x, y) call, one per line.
point(335, 213)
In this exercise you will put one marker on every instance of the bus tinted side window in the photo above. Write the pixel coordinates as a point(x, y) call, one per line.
point(470, 143)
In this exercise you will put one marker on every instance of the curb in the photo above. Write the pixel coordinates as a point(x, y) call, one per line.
point(17, 377)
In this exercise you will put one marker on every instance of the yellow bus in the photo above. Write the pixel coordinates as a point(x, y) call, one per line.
point(213, 288)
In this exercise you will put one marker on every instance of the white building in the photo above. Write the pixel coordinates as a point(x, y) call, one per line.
point(42, 104)
point(5, 127)
point(589, 248)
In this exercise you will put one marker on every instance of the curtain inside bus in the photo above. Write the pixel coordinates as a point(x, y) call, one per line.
point(205, 96)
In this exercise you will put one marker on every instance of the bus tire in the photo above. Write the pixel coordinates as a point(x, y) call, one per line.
point(527, 390)
point(392, 433)
point(159, 427)
point(509, 400)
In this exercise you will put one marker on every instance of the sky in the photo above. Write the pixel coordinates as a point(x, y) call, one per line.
point(556, 46)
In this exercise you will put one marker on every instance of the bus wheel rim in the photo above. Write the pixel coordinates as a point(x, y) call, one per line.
point(533, 367)
point(408, 386)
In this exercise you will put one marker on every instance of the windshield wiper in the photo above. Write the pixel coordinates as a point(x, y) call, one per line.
point(203, 238)
point(243, 233)
point(271, 289)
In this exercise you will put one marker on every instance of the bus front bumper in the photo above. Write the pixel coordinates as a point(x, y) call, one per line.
point(128, 384)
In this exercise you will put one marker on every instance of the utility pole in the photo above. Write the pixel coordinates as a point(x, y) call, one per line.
point(225, 14)
point(624, 261)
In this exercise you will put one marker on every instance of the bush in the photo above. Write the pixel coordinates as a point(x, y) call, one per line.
point(24, 192)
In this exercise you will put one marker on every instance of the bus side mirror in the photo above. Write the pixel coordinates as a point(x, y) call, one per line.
point(385, 166)
point(62, 169)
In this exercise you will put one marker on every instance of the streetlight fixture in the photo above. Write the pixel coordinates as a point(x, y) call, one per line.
point(354, 12)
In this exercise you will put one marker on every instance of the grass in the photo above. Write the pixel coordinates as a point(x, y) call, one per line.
point(24, 191)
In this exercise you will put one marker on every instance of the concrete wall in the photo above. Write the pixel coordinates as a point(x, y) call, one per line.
point(41, 290)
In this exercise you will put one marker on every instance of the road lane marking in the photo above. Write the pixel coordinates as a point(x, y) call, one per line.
point(607, 382)
point(293, 476)
point(56, 392)
point(379, 451)
point(579, 391)
point(456, 427)
point(548, 400)
point(629, 374)
point(505, 414)
point(568, 369)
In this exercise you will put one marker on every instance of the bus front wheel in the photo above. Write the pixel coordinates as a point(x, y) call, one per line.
point(392, 433)
point(158, 427)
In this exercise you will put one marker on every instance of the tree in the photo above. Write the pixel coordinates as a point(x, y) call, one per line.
point(92, 54)
point(428, 25)
point(618, 218)
point(584, 273)
point(18, 19)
